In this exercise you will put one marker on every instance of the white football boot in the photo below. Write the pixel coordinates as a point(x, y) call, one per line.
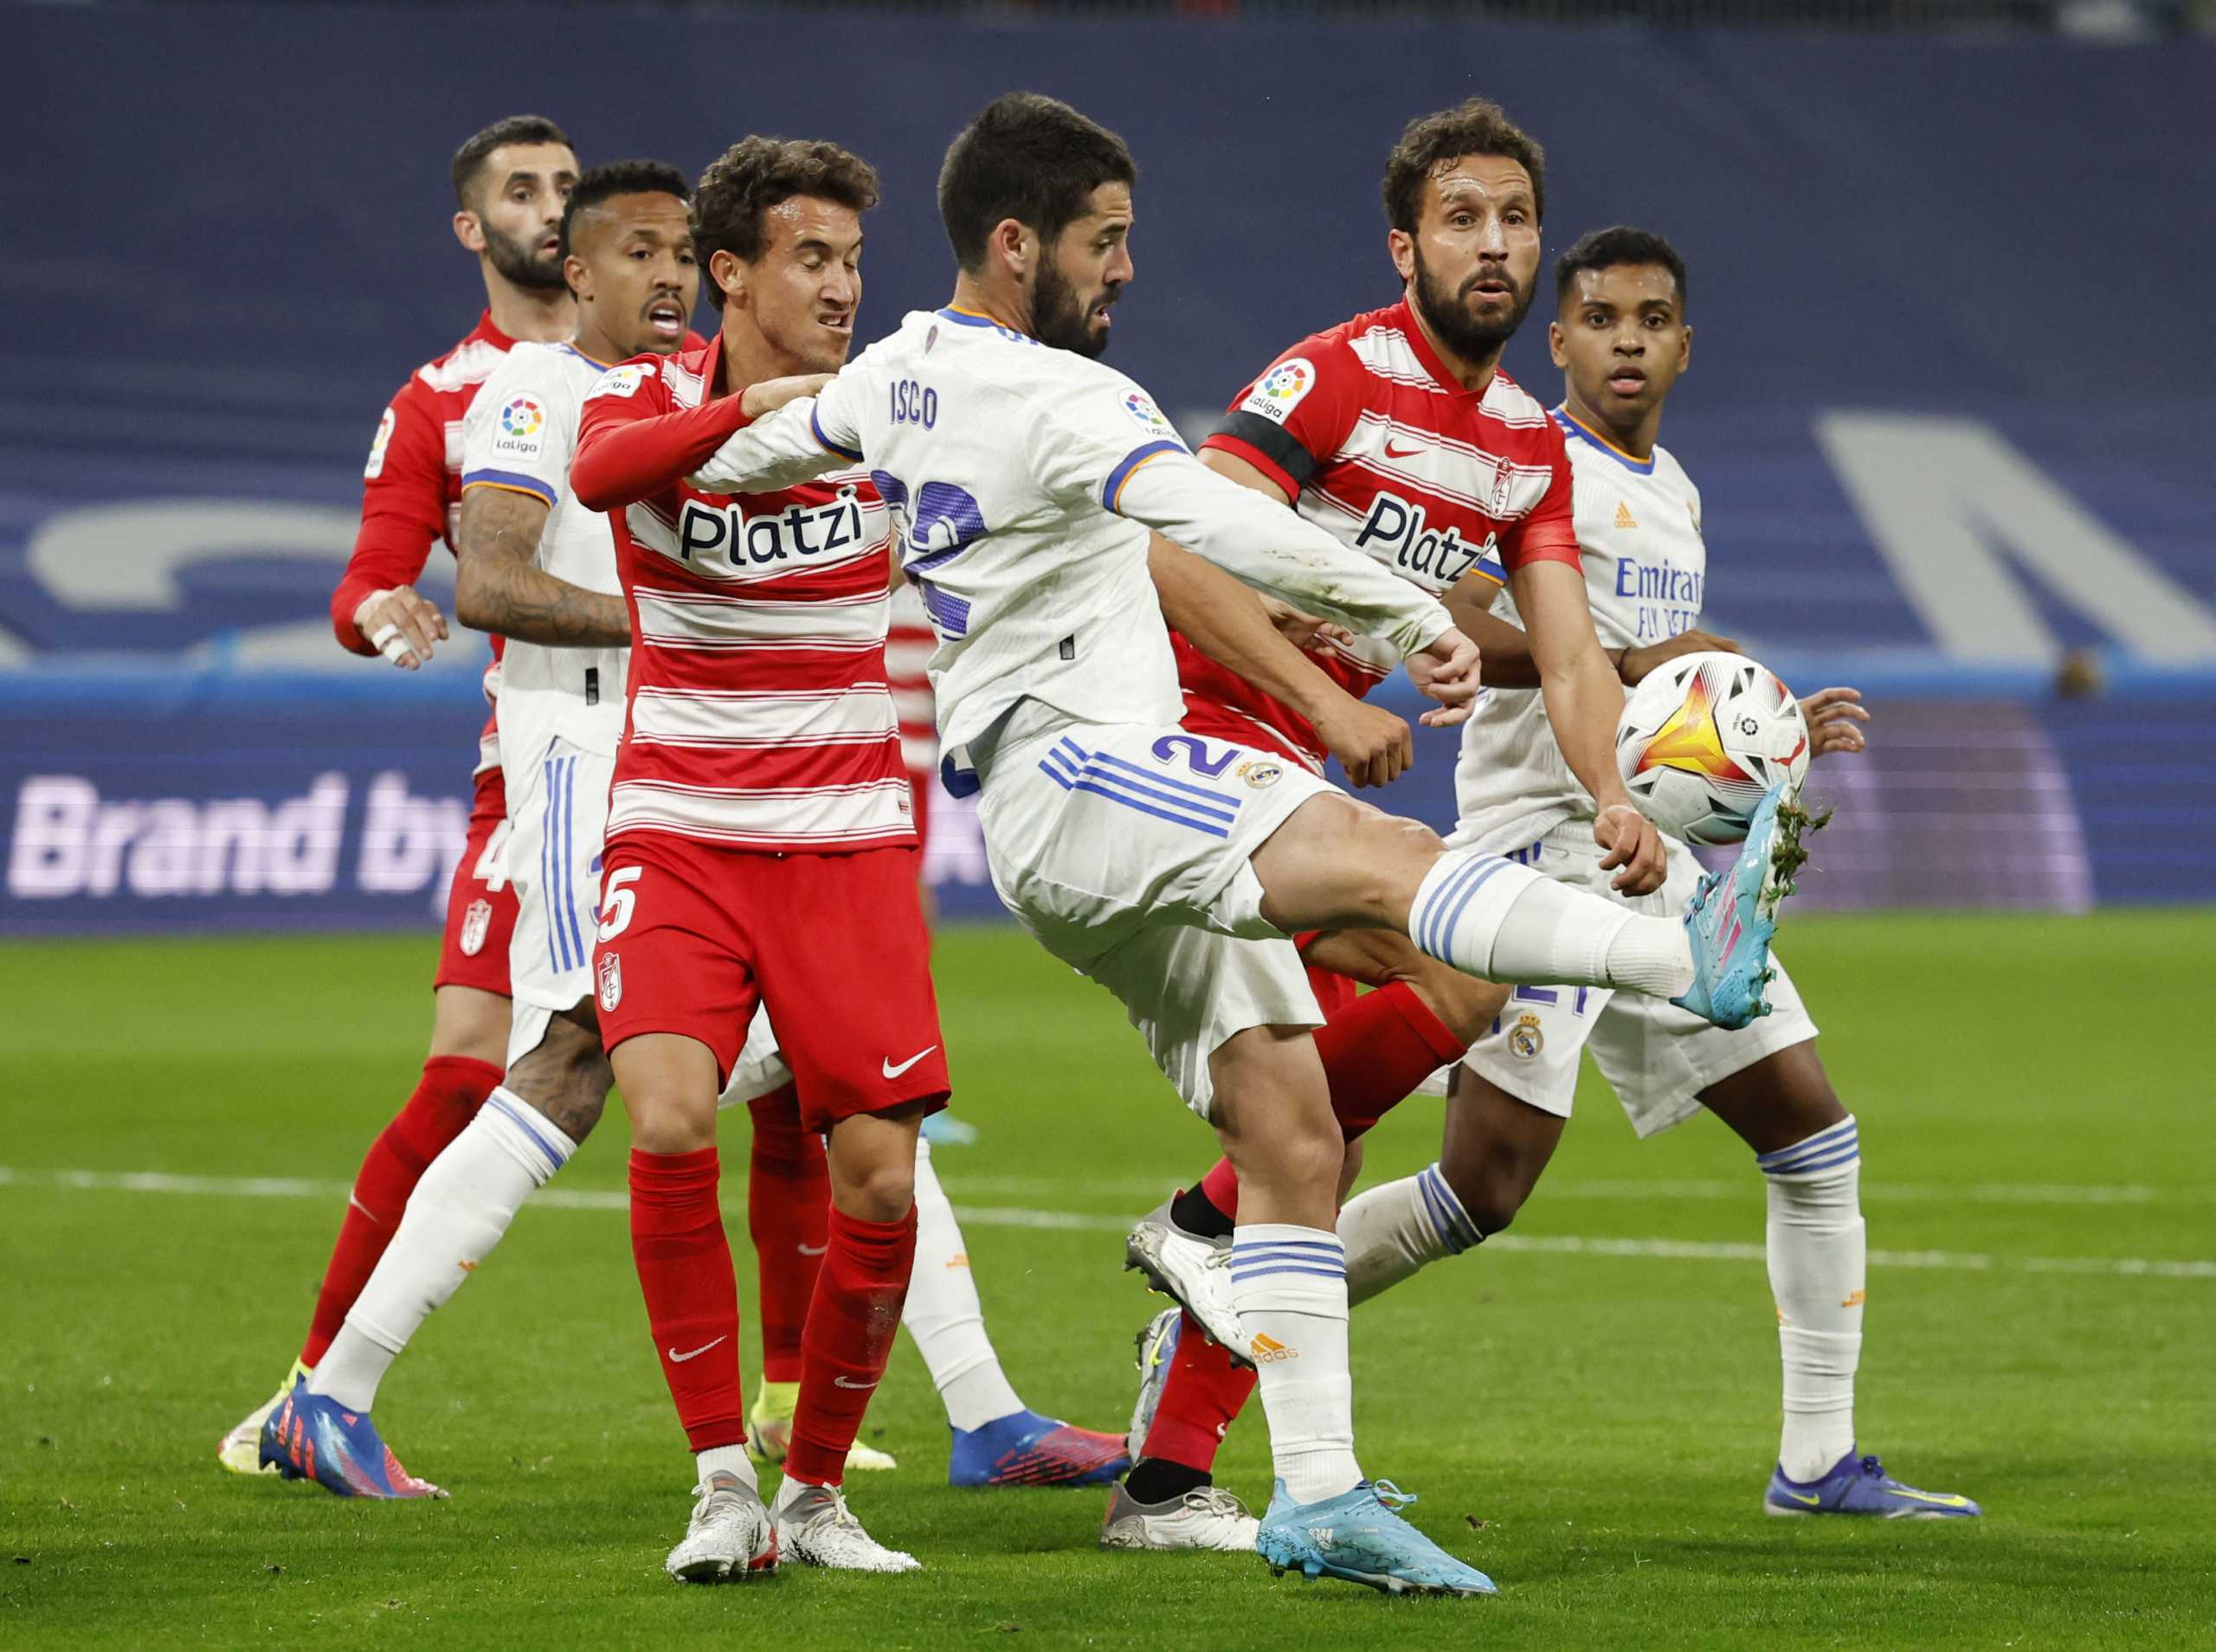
point(730, 1534)
point(1206, 1518)
point(239, 1450)
point(1194, 1270)
point(817, 1528)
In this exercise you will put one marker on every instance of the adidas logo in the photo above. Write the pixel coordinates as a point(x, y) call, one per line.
point(1624, 518)
point(1267, 1349)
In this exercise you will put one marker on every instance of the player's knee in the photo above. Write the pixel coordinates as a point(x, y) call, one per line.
point(1466, 1006)
point(878, 1193)
point(1391, 860)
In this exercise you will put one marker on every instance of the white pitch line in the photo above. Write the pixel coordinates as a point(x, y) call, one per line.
point(154, 1181)
point(1745, 1187)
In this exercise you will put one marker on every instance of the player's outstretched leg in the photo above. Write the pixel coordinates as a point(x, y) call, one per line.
point(312, 1436)
point(998, 1440)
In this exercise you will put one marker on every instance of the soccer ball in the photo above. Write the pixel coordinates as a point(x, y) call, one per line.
point(1703, 738)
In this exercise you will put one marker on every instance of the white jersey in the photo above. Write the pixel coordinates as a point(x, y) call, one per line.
point(1006, 464)
point(1645, 567)
point(520, 434)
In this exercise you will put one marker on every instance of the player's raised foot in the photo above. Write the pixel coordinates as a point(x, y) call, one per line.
point(817, 1528)
point(770, 1431)
point(1156, 1348)
point(1024, 1449)
point(1360, 1536)
point(1732, 914)
point(1861, 1485)
point(730, 1534)
point(1207, 1518)
point(1194, 1269)
point(312, 1436)
point(239, 1451)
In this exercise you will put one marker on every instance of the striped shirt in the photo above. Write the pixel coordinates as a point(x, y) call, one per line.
point(758, 714)
point(1374, 440)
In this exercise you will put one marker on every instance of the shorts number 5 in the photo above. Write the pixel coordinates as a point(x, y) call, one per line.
point(617, 899)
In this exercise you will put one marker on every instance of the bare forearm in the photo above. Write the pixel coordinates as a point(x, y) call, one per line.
point(1584, 701)
point(1227, 621)
point(493, 593)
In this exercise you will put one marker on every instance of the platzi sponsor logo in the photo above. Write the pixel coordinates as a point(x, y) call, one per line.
point(69, 842)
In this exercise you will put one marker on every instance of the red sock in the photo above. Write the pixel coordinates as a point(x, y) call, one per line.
point(850, 1328)
point(1204, 1391)
point(1375, 1052)
point(683, 1263)
point(446, 1097)
point(788, 1215)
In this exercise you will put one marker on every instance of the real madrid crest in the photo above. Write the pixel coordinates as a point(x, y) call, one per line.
point(1525, 1040)
point(1259, 773)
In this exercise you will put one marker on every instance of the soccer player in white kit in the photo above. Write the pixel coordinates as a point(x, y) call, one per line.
point(1170, 867)
point(1621, 338)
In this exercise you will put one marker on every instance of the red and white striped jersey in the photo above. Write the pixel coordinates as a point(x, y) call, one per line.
point(411, 492)
point(1377, 442)
point(758, 716)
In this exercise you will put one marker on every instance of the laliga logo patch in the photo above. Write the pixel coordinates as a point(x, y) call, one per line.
point(378, 443)
point(522, 422)
point(611, 981)
point(622, 381)
point(1524, 1039)
point(1259, 773)
point(1147, 415)
point(474, 924)
point(1281, 389)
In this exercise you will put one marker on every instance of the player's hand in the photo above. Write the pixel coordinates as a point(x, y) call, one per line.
point(1832, 714)
point(771, 394)
point(1446, 671)
point(1372, 744)
point(1638, 662)
point(1304, 631)
point(401, 625)
point(1632, 842)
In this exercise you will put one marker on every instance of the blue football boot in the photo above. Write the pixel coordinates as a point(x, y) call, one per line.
point(1025, 1448)
point(1732, 914)
point(1359, 1536)
point(1861, 1485)
point(312, 1436)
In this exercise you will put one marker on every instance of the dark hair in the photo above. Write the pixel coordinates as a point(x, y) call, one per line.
point(1029, 157)
point(621, 178)
point(1477, 127)
point(756, 174)
point(469, 160)
point(1611, 248)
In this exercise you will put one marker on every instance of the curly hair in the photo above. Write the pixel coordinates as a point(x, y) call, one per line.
point(756, 174)
point(1478, 127)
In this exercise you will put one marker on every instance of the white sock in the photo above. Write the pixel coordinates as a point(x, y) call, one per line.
point(1492, 917)
point(1392, 1231)
point(725, 1459)
point(1816, 1241)
point(945, 1316)
point(1290, 1286)
point(458, 1212)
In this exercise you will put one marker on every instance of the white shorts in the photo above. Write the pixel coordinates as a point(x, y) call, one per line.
point(1124, 849)
point(558, 815)
point(1656, 1057)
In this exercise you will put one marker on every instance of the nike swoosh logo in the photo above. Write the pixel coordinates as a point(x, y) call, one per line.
point(892, 1071)
point(1949, 1501)
point(1392, 452)
point(842, 1382)
point(812, 1250)
point(1798, 1498)
point(677, 1359)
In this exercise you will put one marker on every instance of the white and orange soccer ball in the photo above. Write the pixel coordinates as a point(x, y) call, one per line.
point(1703, 738)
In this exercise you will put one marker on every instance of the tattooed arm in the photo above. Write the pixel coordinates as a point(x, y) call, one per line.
point(499, 587)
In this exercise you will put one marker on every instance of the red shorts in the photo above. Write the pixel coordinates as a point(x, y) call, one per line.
point(693, 936)
point(1334, 992)
point(481, 905)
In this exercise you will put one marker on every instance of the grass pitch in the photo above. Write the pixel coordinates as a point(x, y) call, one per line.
point(1586, 1405)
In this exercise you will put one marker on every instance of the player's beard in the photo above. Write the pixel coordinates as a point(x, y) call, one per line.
point(520, 265)
point(1452, 324)
point(1058, 319)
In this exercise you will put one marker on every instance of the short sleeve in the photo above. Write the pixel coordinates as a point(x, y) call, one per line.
point(522, 428)
point(1549, 534)
point(833, 420)
point(1096, 434)
point(1297, 414)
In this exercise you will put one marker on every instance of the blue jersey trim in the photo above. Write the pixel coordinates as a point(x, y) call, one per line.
point(520, 484)
point(1112, 489)
point(1570, 427)
point(815, 430)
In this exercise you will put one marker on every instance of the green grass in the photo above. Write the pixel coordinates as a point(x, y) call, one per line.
point(1609, 1418)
